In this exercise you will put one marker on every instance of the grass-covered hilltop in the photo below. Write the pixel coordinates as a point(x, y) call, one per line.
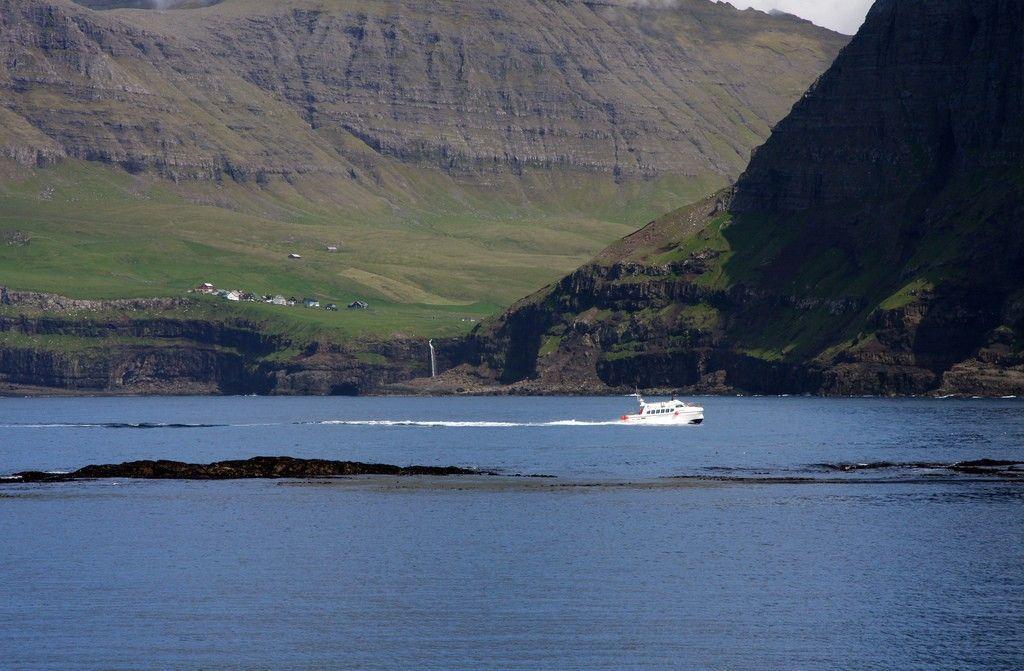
point(434, 160)
point(874, 245)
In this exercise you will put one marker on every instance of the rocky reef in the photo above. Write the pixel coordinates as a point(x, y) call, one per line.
point(874, 245)
point(256, 467)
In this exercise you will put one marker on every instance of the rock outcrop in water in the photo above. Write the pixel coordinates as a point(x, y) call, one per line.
point(874, 245)
point(257, 467)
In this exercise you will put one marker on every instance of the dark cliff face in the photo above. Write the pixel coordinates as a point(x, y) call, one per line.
point(874, 245)
point(926, 93)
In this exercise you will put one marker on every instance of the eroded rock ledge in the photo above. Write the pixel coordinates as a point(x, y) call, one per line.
point(256, 467)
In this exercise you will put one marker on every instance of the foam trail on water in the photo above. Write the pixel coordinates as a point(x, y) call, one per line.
point(457, 424)
point(460, 424)
point(120, 425)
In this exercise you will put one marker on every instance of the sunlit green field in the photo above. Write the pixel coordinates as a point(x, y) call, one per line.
point(428, 261)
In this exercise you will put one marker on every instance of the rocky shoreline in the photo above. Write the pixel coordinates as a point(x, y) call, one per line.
point(55, 346)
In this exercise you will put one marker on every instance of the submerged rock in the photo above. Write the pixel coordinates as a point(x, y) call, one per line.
point(256, 467)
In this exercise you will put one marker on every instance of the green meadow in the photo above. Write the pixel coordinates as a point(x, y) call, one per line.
point(430, 259)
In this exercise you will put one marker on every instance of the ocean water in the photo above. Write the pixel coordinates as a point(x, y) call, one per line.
point(614, 563)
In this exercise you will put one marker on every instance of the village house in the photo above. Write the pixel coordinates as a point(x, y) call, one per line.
point(236, 295)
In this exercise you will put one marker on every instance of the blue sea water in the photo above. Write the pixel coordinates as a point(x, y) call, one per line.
point(623, 567)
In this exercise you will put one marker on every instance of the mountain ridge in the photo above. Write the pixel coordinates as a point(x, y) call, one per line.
point(532, 84)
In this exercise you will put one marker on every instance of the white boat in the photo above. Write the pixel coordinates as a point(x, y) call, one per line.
point(667, 412)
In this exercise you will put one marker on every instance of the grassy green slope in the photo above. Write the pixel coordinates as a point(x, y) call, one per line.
point(427, 265)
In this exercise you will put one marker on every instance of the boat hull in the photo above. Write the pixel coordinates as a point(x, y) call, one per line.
point(690, 416)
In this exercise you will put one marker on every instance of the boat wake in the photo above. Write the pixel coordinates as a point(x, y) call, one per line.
point(461, 424)
point(114, 425)
point(454, 424)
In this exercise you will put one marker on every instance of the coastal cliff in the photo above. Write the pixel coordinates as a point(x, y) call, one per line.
point(874, 245)
point(54, 345)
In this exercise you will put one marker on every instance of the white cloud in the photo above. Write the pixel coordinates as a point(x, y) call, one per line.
point(842, 15)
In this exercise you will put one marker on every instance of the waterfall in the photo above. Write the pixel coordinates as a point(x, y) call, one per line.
point(433, 359)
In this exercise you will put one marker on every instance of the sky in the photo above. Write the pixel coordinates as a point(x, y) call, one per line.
point(842, 15)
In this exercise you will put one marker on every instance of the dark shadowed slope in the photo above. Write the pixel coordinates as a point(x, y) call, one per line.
point(875, 244)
